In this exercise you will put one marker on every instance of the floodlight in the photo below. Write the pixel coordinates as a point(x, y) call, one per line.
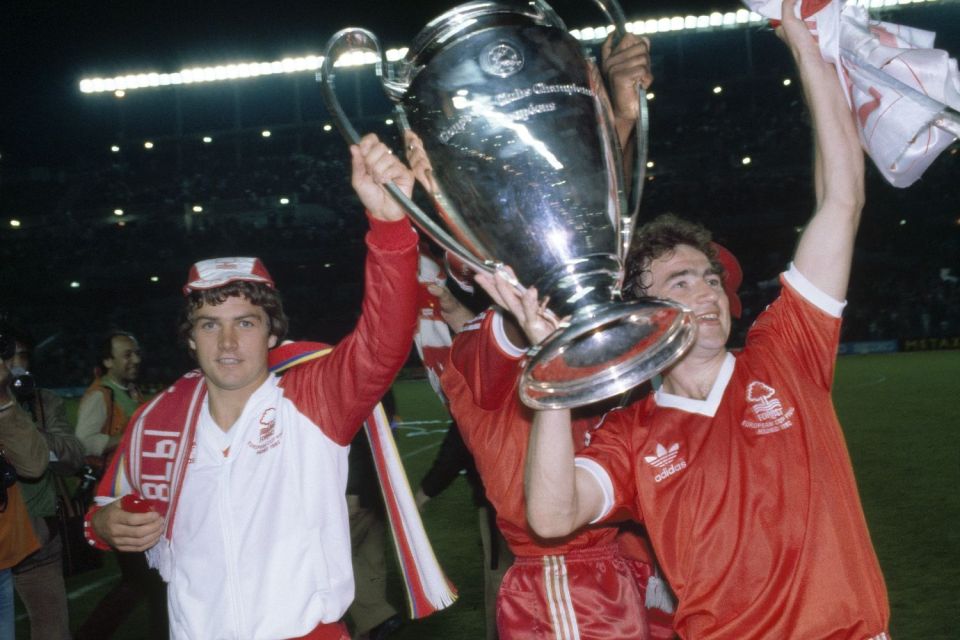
point(787, 82)
point(119, 93)
point(154, 279)
point(74, 285)
point(745, 160)
point(328, 127)
point(265, 133)
point(118, 212)
point(207, 139)
point(718, 89)
point(115, 148)
point(148, 145)
point(284, 200)
point(651, 95)
point(14, 223)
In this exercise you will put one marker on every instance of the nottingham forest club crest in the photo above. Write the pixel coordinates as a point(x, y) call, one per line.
point(766, 413)
point(268, 436)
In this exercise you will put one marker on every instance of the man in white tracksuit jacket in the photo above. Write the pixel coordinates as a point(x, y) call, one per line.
point(233, 479)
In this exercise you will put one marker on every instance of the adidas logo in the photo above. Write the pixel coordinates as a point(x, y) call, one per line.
point(664, 456)
point(665, 460)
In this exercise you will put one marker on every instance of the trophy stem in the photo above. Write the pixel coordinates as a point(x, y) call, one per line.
point(580, 284)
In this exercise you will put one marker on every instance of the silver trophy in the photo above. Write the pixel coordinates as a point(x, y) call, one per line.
point(527, 172)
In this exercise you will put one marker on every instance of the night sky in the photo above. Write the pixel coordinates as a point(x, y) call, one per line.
point(47, 46)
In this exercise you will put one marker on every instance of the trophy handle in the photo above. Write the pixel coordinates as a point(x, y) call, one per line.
point(356, 39)
point(614, 13)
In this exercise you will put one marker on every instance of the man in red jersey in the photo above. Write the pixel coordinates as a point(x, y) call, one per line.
point(579, 586)
point(737, 464)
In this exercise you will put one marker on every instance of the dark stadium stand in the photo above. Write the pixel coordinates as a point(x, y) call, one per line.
point(905, 280)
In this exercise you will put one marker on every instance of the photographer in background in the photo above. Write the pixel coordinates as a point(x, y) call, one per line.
point(39, 577)
point(109, 402)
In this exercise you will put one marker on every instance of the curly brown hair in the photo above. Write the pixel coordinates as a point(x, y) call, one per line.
point(258, 293)
point(657, 238)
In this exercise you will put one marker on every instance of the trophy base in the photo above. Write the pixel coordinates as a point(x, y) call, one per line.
point(606, 350)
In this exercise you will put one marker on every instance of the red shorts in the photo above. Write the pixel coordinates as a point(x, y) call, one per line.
point(660, 623)
point(585, 594)
point(332, 631)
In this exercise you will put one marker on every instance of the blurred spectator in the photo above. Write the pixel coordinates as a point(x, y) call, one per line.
point(39, 577)
point(104, 412)
point(111, 400)
point(24, 455)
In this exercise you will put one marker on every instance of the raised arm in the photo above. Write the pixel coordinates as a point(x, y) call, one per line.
point(626, 69)
point(560, 498)
point(339, 391)
point(825, 251)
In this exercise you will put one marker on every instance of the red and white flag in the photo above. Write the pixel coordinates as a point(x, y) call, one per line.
point(905, 93)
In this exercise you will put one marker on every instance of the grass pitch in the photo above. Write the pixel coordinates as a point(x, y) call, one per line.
point(900, 414)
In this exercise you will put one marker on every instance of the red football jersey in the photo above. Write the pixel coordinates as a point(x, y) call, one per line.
point(432, 338)
point(749, 496)
point(480, 383)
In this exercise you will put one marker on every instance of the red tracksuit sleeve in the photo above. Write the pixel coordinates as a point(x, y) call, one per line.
point(339, 391)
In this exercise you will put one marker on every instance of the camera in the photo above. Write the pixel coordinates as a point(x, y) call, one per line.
point(22, 383)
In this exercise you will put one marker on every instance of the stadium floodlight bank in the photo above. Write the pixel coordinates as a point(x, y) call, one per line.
point(220, 73)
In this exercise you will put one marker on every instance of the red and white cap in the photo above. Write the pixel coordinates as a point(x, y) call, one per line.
point(732, 277)
point(216, 272)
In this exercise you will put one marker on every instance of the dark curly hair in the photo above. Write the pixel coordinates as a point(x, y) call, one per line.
point(658, 238)
point(257, 293)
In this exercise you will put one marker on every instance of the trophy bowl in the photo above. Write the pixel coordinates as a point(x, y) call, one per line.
point(527, 172)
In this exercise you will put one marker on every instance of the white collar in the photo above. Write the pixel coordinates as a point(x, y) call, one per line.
point(707, 407)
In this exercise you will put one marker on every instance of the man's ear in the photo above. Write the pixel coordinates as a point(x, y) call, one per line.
point(272, 342)
point(192, 344)
point(107, 364)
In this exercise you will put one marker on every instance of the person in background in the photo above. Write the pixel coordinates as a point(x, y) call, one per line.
point(38, 578)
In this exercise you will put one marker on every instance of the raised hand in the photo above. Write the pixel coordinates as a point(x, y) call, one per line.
point(373, 166)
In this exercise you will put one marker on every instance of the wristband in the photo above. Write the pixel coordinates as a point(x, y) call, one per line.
point(90, 534)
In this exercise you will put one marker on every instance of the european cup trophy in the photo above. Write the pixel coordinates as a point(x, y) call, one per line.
point(527, 172)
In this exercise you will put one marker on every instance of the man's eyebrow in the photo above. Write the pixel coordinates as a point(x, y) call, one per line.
point(245, 316)
point(692, 272)
point(681, 273)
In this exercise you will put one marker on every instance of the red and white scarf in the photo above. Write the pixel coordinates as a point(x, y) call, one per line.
point(163, 434)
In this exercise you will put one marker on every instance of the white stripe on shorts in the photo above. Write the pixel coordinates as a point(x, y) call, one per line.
point(562, 615)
